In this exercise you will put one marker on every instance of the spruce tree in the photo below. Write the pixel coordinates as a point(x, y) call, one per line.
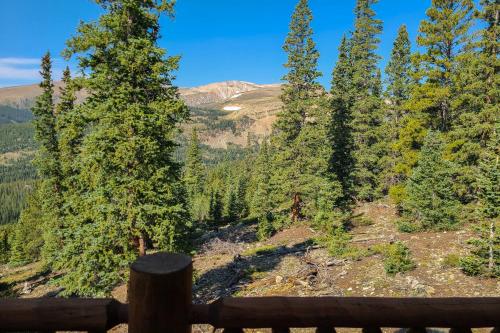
point(367, 105)
point(445, 37)
point(231, 209)
point(398, 72)
point(261, 205)
point(476, 102)
point(216, 207)
point(302, 65)
point(430, 202)
point(342, 162)
point(133, 191)
point(484, 258)
point(194, 173)
point(260, 202)
point(48, 163)
point(69, 125)
point(241, 191)
point(398, 82)
point(291, 145)
point(27, 234)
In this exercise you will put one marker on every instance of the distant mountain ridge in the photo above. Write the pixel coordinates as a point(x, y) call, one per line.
point(229, 112)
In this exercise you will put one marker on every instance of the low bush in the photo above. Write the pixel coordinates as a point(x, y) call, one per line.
point(397, 257)
point(265, 228)
point(451, 260)
point(264, 249)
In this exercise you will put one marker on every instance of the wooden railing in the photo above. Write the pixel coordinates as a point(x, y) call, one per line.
point(160, 301)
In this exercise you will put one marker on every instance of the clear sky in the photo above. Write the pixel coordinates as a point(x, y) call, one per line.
point(217, 39)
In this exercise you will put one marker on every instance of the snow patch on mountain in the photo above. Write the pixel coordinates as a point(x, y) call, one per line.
point(232, 108)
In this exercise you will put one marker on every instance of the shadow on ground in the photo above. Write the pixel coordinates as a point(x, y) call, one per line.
point(226, 280)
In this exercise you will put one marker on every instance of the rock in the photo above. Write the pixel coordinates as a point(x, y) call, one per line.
point(27, 288)
point(279, 279)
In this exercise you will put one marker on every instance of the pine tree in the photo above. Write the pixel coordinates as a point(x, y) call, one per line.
point(27, 234)
point(265, 227)
point(398, 72)
point(260, 202)
point(240, 192)
point(48, 162)
point(231, 210)
point(484, 258)
point(342, 162)
point(445, 36)
point(216, 207)
point(290, 145)
point(476, 102)
point(194, 174)
point(431, 202)
point(261, 205)
point(367, 106)
point(398, 83)
point(302, 65)
point(5, 246)
point(69, 124)
point(133, 191)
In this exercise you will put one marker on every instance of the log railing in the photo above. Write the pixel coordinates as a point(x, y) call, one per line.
point(160, 301)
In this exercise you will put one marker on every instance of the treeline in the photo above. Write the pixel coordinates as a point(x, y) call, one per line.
point(14, 137)
point(13, 198)
point(9, 115)
point(110, 186)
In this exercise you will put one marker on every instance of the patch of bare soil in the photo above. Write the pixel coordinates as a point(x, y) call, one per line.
point(295, 267)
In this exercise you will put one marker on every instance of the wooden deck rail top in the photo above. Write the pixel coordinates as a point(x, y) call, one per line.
point(160, 301)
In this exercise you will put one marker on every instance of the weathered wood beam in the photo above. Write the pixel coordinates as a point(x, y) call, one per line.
point(68, 314)
point(261, 312)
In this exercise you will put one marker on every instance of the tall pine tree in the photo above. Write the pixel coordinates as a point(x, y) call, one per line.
point(48, 163)
point(484, 258)
point(476, 102)
point(299, 96)
point(133, 193)
point(342, 162)
point(445, 36)
point(398, 82)
point(367, 105)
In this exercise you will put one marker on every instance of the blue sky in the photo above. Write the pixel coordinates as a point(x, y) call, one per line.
point(218, 40)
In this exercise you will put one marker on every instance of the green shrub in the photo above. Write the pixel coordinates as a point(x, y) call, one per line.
point(451, 260)
point(265, 227)
point(265, 249)
point(396, 257)
point(404, 225)
point(338, 245)
point(471, 266)
point(398, 194)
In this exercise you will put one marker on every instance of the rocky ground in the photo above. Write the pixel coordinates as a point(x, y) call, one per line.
point(231, 261)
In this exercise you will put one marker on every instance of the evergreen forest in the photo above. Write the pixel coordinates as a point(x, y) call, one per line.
point(98, 182)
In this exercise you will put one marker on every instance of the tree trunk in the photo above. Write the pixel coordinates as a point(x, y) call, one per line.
point(296, 207)
point(142, 246)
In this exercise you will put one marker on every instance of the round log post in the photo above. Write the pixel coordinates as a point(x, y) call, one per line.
point(160, 294)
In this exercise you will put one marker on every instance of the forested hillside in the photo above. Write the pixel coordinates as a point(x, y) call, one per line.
point(418, 145)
